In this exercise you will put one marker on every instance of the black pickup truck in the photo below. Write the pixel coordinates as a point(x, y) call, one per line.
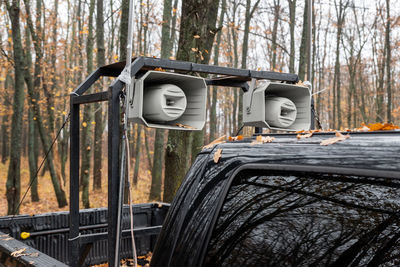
point(289, 202)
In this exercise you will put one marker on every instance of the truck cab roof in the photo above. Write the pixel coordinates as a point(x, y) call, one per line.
point(369, 160)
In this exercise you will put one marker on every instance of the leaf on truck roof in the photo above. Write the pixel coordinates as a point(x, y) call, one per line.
point(338, 137)
point(219, 140)
point(235, 138)
point(262, 140)
point(217, 155)
point(302, 136)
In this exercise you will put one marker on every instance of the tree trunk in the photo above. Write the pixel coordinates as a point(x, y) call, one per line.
point(156, 172)
point(249, 14)
point(5, 138)
point(98, 107)
point(13, 184)
point(124, 29)
point(292, 22)
point(137, 154)
point(32, 129)
point(388, 64)
point(303, 45)
point(198, 18)
point(213, 109)
point(277, 8)
point(33, 89)
point(166, 52)
point(87, 117)
point(340, 14)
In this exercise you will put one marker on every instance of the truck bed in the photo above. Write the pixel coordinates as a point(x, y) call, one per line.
point(49, 232)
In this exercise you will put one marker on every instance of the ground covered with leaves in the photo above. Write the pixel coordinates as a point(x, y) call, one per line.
point(48, 202)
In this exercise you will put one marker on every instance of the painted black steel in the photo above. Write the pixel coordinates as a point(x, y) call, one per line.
point(49, 232)
point(74, 184)
point(91, 98)
point(29, 257)
point(234, 78)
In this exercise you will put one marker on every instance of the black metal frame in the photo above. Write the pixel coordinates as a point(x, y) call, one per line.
point(79, 245)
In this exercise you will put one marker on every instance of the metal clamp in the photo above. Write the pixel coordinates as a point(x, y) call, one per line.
point(251, 90)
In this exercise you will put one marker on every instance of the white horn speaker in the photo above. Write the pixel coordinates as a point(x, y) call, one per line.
point(168, 100)
point(278, 106)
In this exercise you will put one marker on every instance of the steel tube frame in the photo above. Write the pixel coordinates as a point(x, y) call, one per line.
point(234, 78)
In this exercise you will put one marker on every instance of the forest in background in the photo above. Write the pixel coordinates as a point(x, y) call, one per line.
point(48, 47)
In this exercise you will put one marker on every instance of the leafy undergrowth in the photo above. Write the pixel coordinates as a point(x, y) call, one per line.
point(48, 202)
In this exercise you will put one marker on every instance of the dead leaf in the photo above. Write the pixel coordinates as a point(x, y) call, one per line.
point(262, 140)
point(235, 138)
point(338, 137)
point(8, 238)
point(219, 140)
point(159, 69)
point(195, 49)
point(302, 136)
point(217, 155)
point(196, 36)
point(185, 126)
point(18, 253)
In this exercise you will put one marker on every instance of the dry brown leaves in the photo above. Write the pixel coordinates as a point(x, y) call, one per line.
point(217, 155)
point(21, 252)
point(235, 138)
point(380, 126)
point(185, 126)
point(262, 140)
point(223, 139)
point(338, 137)
point(18, 253)
point(5, 237)
point(159, 69)
point(302, 136)
point(219, 140)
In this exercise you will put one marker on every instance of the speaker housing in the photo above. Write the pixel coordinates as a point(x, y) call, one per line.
point(254, 105)
point(194, 88)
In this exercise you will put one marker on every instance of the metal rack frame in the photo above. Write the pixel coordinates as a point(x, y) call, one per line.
point(79, 245)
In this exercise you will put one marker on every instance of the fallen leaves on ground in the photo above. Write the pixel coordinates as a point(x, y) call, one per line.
point(217, 155)
point(338, 137)
point(263, 139)
point(48, 201)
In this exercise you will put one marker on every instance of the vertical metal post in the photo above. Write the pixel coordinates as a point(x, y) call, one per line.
point(74, 185)
point(309, 59)
point(113, 166)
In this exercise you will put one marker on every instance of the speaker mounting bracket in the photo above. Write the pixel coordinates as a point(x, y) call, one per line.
point(251, 90)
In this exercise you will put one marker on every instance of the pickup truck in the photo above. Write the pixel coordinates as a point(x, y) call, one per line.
point(288, 202)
